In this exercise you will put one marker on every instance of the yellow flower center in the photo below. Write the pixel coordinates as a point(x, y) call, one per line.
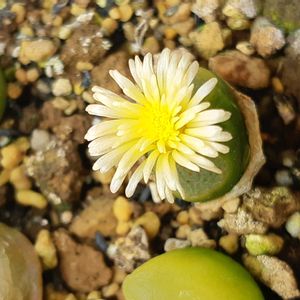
point(158, 124)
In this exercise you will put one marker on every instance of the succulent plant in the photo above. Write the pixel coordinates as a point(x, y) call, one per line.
point(189, 274)
point(20, 269)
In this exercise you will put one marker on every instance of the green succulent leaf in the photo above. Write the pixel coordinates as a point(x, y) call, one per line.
point(191, 274)
point(205, 185)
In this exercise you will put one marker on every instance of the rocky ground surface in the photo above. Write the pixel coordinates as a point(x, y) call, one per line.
point(54, 51)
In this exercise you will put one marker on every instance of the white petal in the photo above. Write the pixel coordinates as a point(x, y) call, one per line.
point(184, 149)
point(134, 72)
point(101, 110)
point(128, 87)
point(101, 145)
point(204, 132)
point(150, 162)
point(164, 160)
point(101, 129)
point(210, 117)
point(203, 91)
point(169, 195)
point(189, 114)
point(184, 161)
point(154, 192)
point(220, 147)
point(200, 146)
point(116, 182)
point(224, 136)
point(129, 159)
point(107, 161)
point(205, 163)
point(160, 181)
point(162, 66)
point(191, 73)
point(135, 178)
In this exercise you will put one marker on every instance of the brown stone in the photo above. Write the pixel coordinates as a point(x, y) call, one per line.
point(57, 171)
point(82, 267)
point(100, 75)
point(85, 44)
point(240, 69)
point(271, 206)
point(97, 216)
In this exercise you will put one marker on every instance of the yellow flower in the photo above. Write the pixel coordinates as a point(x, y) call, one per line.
point(161, 120)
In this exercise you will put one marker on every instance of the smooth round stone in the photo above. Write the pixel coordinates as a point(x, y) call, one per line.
point(191, 274)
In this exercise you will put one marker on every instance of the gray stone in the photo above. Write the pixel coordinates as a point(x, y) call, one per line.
point(274, 273)
point(131, 251)
point(266, 37)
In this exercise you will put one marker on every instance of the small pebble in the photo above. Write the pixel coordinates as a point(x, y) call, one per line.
point(31, 198)
point(109, 25)
point(123, 228)
point(84, 66)
point(14, 90)
point(64, 32)
point(277, 85)
point(151, 45)
point(230, 243)
point(23, 144)
point(231, 205)
point(183, 217)
point(88, 97)
point(270, 244)
point(4, 176)
point(78, 88)
point(19, 10)
point(66, 217)
point(172, 244)
point(21, 76)
point(19, 179)
point(73, 105)
point(70, 297)
point(183, 231)
point(150, 222)
point(61, 87)
point(77, 10)
point(101, 242)
point(60, 103)
point(292, 225)
point(122, 209)
point(170, 33)
point(36, 50)
point(126, 12)
point(195, 216)
point(284, 178)
point(94, 295)
point(39, 139)
point(114, 13)
point(32, 74)
point(11, 156)
point(245, 47)
point(45, 249)
point(110, 290)
point(119, 275)
point(209, 41)
point(238, 23)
